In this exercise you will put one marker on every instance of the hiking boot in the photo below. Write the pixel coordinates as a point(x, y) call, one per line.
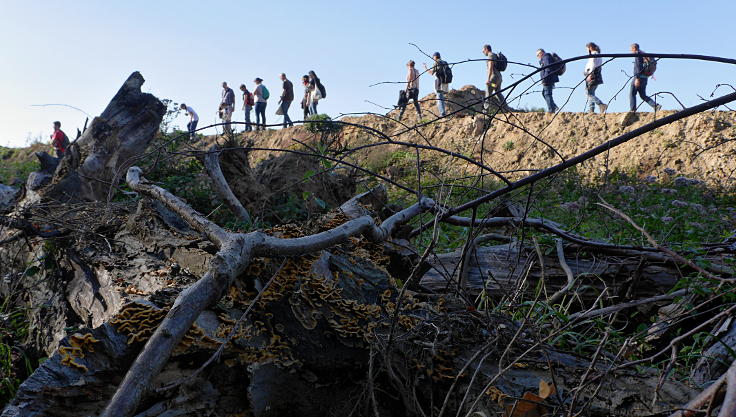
point(603, 108)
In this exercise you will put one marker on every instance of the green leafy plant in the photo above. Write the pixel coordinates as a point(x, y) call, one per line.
point(322, 123)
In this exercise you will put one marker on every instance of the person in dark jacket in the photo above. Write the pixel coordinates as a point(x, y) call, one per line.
point(593, 78)
point(287, 96)
point(227, 105)
point(305, 99)
point(639, 83)
point(549, 78)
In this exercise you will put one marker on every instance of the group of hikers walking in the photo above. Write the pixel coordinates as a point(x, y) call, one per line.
point(257, 100)
point(552, 69)
point(496, 63)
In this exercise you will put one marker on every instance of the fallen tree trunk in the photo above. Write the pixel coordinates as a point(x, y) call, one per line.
point(502, 269)
point(233, 257)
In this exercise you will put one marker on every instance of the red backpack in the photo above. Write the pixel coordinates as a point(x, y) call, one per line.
point(248, 98)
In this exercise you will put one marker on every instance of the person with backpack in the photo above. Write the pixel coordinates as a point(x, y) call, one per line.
point(261, 95)
point(593, 78)
point(193, 120)
point(287, 96)
point(227, 106)
point(59, 140)
point(248, 104)
point(494, 66)
point(412, 90)
point(443, 77)
point(316, 92)
point(306, 97)
point(643, 69)
point(550, 76)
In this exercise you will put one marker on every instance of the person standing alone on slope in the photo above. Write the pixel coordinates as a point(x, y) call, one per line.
point(593, 78)
point(59, 140)
point(193, 120)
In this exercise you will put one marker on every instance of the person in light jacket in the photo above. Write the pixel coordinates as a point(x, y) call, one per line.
point(412, 90)
point(593, 78)
point(260, 99)
point(315, 92)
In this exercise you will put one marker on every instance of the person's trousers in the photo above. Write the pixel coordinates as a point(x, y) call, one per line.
point(592, 99)
point(192, 127)
point(227, 116)
point(412, 94)
point(285, 110)
point(494, 90)
point(441, 103)
point(59, 154)
point(313, 108)
point(642, 91)
point(248, 125)
point(261, 115)
point(547, 94)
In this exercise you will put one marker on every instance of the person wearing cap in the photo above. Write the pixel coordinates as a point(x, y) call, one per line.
point(193, 119)
point(247, 106)
point(227, 105)
point(440, 86)
point(261, 96)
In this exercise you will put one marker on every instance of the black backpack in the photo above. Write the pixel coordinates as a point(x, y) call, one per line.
point(501, 62)
point(444, 72)
point(65, 143)
point(561, 67)
point(322, 90)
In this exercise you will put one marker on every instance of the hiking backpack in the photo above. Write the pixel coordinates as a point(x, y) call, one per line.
point(249, 99)
point(322, 90)
point(264, 92)
point(65, 143)
point(444, 72)
point(561, 67)
point(501, 62)
point(649, 67)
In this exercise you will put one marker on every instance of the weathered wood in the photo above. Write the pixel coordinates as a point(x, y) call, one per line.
point(233, 257)
point(212, 166)
point(111, 144)
point(501, 268)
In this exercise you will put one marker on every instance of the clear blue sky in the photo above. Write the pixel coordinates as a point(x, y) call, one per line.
point(79, 52)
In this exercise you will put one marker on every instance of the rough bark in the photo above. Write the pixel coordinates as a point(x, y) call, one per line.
point(212, 166)
point(501, 268)
point(233, 257)
point(110, 145)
